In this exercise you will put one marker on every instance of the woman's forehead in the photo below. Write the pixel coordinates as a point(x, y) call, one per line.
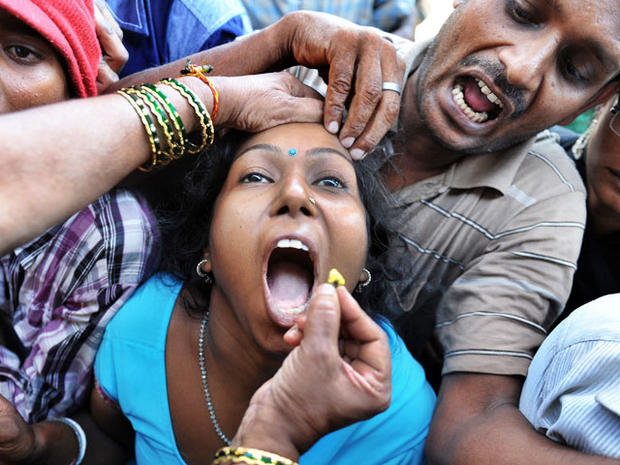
point(296, 138)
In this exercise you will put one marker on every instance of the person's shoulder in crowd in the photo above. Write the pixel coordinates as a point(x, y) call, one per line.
point(556, 398)
point(549, 152)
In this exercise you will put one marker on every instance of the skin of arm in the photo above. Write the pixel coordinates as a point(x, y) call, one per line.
point(358, 58)
point(477, 421)
point(79, 149)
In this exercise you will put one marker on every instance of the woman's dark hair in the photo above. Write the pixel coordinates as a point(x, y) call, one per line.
point(183, 198)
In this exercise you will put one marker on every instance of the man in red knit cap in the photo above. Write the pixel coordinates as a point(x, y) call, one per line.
point(58, 291)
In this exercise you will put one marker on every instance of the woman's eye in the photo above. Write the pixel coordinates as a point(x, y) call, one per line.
point(330, 182)
point(255, 178)
point(23, 53)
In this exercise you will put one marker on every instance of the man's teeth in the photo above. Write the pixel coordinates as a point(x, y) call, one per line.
point(459, 98)
point(490, 95)
point(291, 244)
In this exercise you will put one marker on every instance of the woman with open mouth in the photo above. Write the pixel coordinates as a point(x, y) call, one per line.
point(246, 251)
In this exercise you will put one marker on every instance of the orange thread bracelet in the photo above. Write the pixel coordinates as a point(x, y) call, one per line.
point(201, 73)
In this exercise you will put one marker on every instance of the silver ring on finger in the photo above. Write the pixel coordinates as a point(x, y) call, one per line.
point(393, 86)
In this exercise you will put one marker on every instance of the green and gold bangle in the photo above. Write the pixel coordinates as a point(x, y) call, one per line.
point(149, 127)
point(162, 118)
point(201, 112)
point(173, 115)
point(249, 456)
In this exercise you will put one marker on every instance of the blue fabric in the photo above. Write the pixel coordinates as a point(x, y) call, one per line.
point(160, 31)
point(384, 14)
point(130, 368)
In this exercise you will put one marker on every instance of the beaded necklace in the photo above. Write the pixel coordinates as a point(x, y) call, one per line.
point(205, 384)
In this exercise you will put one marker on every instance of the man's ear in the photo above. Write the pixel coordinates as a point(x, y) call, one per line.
point(599, 98)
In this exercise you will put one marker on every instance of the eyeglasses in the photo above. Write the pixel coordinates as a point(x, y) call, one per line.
point(614, 122)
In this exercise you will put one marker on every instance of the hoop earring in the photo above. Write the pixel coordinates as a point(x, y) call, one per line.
point(362, 284)
point(201, 273)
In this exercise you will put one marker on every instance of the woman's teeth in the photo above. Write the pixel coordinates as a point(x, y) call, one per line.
point(295, 310)
point(291, 244)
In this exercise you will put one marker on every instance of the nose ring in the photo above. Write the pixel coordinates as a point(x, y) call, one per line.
point(312, 201)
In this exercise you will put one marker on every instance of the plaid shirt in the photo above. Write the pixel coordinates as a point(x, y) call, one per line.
point(384, 14)
point(59, 291)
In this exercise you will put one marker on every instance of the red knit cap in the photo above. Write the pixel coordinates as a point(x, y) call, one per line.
point(69, 25)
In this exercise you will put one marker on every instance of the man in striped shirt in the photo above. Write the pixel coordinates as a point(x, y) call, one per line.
point(493, 211)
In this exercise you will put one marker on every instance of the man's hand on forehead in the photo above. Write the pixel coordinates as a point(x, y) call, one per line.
point(364, 71)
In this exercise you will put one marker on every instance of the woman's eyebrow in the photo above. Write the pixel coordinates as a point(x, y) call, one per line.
point(322, 150)
point(316, 151)
point(267, 147)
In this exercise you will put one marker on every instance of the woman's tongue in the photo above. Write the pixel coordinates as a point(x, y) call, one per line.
point(289, 284)
point(475, 98)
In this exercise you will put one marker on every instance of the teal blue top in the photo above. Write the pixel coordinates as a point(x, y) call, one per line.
point(130, 368)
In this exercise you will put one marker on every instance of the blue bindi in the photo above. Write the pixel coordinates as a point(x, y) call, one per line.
point(292, 152)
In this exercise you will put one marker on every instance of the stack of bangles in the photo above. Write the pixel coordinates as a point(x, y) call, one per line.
point(162, 123)
point(249, 457)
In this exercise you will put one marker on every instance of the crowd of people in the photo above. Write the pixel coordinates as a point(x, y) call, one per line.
point(176, 188)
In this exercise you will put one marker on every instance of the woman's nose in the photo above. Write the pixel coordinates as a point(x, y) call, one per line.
point(294, 198)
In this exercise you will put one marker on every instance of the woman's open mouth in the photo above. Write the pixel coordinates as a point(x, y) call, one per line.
point(289, 280)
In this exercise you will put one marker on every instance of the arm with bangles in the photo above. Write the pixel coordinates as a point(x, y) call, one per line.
point(98, 141)
point(358, 60)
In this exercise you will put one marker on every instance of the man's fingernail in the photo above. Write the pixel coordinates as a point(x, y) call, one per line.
point(347, 142)
point(357, 154)
point(332, 127)
point(326, 289)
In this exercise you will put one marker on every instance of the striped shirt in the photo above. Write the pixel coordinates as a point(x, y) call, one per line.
point(59, 291)
point(387, 15)
point(492, 244)
point(572, 390)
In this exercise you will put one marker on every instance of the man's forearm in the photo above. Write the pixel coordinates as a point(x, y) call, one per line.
point(477, 422)
point(261, 51)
